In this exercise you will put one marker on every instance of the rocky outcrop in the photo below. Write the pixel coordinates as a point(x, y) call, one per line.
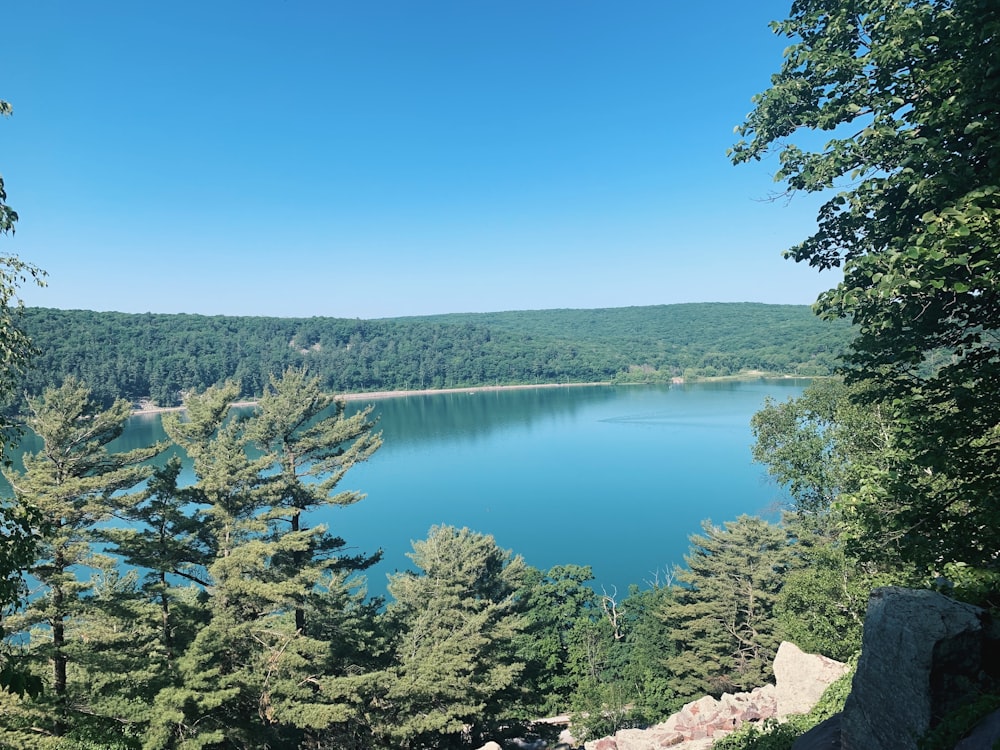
point(823, 736)
point(800, 678)
point(922, 655)
point(698, 722)
point(800, 681)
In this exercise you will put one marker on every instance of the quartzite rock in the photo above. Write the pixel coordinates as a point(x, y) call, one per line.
point(909, 636)
point(800, 678)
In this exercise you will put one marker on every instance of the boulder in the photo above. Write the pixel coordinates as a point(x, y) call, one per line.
point(696, 724)
point(491, 746)
point(984, 736)
point(823, 736)
point(800, 678)
point(920, 651)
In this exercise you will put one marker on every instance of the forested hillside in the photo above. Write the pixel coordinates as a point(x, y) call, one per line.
point(148, 608)
point(158, 356)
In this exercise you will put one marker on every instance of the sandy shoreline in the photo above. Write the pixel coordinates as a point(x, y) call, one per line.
point(376, 395)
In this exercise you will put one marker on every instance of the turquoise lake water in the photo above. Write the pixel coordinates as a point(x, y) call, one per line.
point(612, 477)
point(616, 477)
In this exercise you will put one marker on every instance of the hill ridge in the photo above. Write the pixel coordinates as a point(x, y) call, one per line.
point(159, 355)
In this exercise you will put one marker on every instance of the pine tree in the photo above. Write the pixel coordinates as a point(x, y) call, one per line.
point(164, 538)
point(207, 699)
point(455, 663)
point(70, 483)
point(312, 452)
point(722, 617)
point(254, 675)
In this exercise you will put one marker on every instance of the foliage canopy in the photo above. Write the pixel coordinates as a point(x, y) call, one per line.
point(159, 356)
point(17, 522)
point(909, 92)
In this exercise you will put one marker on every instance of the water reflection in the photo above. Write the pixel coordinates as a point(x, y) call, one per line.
point(478, 414)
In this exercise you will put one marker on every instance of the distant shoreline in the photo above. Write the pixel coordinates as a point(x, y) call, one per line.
point(378, 395)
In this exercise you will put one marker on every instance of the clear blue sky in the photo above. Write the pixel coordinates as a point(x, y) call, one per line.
point(372, 159)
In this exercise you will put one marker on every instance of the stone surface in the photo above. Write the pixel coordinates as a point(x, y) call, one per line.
point(984, 736)
point(697, 724)
point(491, 746)
point(823, 736)
point(923, 656)
point(801, 678)
point(907, 632)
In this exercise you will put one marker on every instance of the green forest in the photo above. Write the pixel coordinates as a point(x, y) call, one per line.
point(140, 612)
point(212, 614)
point(161, 356)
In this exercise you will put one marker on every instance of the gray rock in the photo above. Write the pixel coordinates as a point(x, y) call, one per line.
point(984, 736)
point(909, 636)
point(823, 736)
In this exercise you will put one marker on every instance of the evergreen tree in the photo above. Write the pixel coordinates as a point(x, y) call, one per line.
point(213, 696)
point(456, 667)
point(722, 617)
point(313, 450)
point(162, 536)
point(257, 673)
point(70, 483)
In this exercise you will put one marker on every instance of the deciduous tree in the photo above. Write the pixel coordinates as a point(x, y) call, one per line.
point(553, 603)
point(16, 347)
point(819, 444)
point(909, 93)
point(17, 522)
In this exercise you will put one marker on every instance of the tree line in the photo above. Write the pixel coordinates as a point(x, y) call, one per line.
point(212, 612)
point(159, 357)
point(161, 614)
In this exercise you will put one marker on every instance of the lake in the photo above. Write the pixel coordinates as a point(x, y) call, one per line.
point(616, 477)
point(612, 477)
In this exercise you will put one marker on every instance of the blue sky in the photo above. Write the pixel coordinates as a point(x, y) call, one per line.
point(372, 159)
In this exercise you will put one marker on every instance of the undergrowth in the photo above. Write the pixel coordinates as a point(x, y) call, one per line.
point(959, 723)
